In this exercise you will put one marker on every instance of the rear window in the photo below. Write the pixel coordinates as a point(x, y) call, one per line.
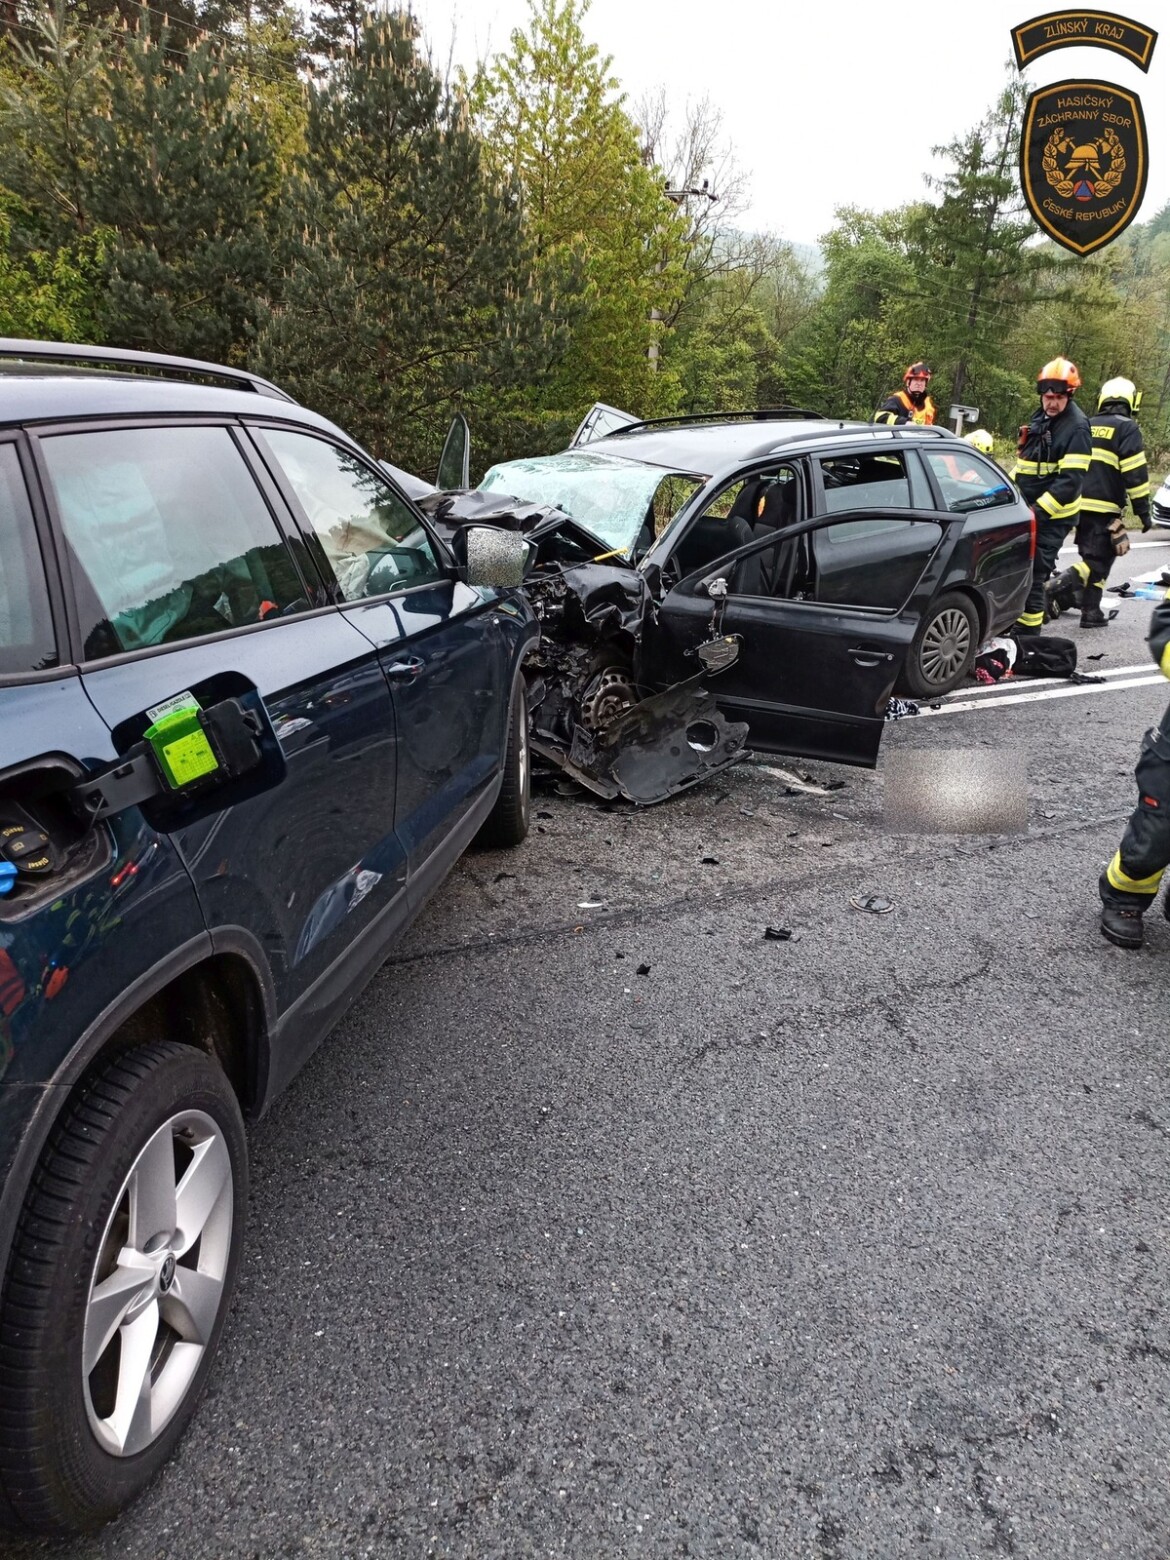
point(26, 632)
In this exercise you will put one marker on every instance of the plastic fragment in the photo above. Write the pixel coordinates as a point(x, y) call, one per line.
point(643, 969)
point(710, 861)
point(876, 904)
point(777, 934)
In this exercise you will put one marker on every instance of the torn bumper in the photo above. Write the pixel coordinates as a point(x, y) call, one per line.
point(658, 747)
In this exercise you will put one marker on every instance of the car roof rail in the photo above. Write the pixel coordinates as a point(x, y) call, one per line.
point(692, 419)
point(70, 352)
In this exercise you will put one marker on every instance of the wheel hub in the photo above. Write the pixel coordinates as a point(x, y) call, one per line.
point(609, 695)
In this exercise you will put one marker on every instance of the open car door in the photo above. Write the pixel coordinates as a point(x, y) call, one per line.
point(455, 458)
point(598, 421)
point(824, 613)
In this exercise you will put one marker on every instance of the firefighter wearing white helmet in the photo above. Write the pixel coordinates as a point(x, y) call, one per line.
point(1117, 473)
point(980, 440)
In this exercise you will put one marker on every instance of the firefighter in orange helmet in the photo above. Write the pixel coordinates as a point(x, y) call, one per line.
point(910, 404)
point(1053, 462)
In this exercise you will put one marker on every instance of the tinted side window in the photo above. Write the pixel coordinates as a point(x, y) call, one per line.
point(26, 630)
point(169, 537)
point(969, 482)
point(886, 481)
point(372, 539)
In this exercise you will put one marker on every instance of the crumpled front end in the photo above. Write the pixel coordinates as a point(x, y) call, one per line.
point(589, 715)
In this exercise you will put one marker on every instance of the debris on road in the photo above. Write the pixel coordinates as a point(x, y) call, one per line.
point(777, 934)
point(876, 904)
point(899, 709)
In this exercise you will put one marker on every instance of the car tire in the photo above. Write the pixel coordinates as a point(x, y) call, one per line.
point(507, 823)
point(119, 1285)
point(944, 648)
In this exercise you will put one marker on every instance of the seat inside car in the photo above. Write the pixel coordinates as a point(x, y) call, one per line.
point(711, 537)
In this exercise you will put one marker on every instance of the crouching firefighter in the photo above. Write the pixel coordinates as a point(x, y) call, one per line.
point(1117, 472)
point(1050, 473)
point(1130, 882)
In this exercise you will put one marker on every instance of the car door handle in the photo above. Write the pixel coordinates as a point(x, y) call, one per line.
point(866, 657)
point(411, 667)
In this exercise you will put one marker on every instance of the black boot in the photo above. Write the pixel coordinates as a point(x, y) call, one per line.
point(1063, 593)
point(1091, 614)
point(1122, 924)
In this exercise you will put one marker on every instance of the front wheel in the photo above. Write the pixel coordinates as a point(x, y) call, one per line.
point(507, 823)
point(119, 1285)
point(944, 648)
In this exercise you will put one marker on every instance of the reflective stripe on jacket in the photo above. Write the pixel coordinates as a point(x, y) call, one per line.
point(1117, 469)
point(1053, 463)
point(899, 408)
point(1158, 637)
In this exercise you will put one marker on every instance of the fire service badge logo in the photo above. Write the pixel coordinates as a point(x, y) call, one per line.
point(1083, 162)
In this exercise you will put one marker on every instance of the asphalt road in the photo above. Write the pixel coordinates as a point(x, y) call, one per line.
point(607, 1227)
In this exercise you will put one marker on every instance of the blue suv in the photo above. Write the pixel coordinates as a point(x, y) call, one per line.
point(252, 708)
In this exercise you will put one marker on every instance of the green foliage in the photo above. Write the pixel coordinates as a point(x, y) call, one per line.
point(553, 122)
point(153, 149)
point(49, 294)
point(409, 285)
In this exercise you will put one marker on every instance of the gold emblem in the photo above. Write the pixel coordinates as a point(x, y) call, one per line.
point(1084, 160)
point(1084, 169)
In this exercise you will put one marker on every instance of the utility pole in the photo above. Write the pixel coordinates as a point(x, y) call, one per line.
point(680, 197)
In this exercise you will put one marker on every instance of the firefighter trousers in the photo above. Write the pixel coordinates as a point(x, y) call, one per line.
point(1134, 874)
point(1050, 535)
point(1095, 545)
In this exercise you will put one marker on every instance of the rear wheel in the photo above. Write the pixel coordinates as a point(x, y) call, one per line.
point(507, 823)
point(944, 647)
point(119, 1285)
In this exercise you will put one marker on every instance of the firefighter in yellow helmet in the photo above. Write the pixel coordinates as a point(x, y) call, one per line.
point(979, 439)
point(1117, 473)
point(911, 403)
point(1050, 472)
point(1130, 883)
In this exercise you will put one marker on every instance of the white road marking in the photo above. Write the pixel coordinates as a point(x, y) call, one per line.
point(1068, 691)
point(982, 689)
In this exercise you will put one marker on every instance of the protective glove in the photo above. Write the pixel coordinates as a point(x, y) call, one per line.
point(1118, 536)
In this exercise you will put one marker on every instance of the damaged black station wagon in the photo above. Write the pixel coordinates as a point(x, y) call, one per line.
point(765, 578)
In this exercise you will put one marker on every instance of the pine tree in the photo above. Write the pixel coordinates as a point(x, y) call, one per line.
point(409, 288)
point(145, 149)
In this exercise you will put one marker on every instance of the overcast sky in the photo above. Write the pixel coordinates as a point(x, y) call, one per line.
point(834, 103)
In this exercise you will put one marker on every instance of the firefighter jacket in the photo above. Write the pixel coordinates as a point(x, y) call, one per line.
point(1053, 463)
point(1117, 469)
point(1158, 637)
point(899, 408)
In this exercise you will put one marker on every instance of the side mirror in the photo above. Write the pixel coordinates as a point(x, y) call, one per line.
point(495, 557)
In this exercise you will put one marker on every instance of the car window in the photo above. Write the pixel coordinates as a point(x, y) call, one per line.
point(26, 630)
point(968, 482)
point(869, 563)
point(885, 481)
point(372, 539)
point(169, 536)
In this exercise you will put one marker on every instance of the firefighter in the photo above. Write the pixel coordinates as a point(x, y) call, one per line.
point(911, 404)
point(1130, 882)
point(1053, 462)
point(1117, 472)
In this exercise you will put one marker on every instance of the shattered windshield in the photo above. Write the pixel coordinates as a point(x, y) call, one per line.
point(624, 503)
